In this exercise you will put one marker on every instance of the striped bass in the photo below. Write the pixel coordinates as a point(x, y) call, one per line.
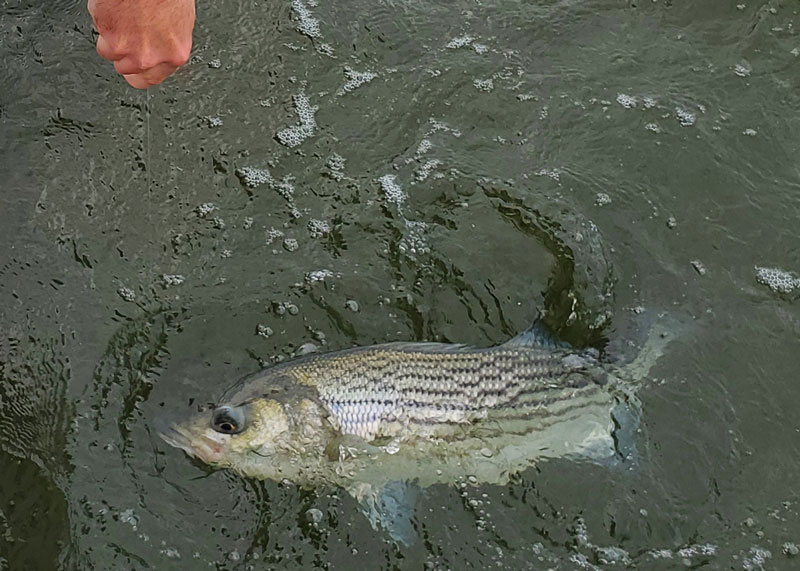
point(368, 418)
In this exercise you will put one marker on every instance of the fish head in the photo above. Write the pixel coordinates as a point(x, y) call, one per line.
point(229, 435)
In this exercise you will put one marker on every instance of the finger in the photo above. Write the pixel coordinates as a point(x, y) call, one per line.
point(136, 80)
point(150, 77)
point(127, 66)
point(106, 51)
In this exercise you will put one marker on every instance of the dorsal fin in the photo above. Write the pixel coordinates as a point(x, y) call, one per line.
point(538, 336)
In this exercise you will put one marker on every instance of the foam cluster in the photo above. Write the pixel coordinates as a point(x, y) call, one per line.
point(172, 279)
point(336, 166)
point(394, 193)
point(686, 117)
point(459, 42)
point(284, 187)
point(126, 294)
point(308, 25)
point(272, 235)
point(318, 276)
point(253, 177)
point(486, 85)
point(355, 79)
point(205, 209)
point(318, 228)
point(777, 280)
point(296, 134)
point(426, 169)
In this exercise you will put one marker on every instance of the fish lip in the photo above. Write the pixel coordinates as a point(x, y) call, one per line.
point(200, 446)
point(172, 435)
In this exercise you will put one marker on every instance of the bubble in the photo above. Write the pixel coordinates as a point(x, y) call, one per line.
point(285, 187)
point(126, 294)
point(170, 552)
point(750, 132)
point(686, 117)
point(294, 135)
point(247, 223)
point(486, 85)
point(425, 170)
point(314, 515)
point(336, 166)
point(325, 49)
point(672, 222)
point(756, 558)
point(424, 146)
point(653, 127)
point(555, 174)
point(627, 101)
point(355, 79)
point(318, 276)
point(699, 267)
point(215, 63)
point(253, 177)
point(129, 517)
point(172, 279)
point(308, 25)
point(264, 331)
point(661, 554)
point(352, 305)
point(204, 209)
point(480, 48)
point(791, 549)
point(394, 193)
point(459, 42)
point(213, 121)
point(291, 308)
point(306, 348)
point(776, 279)
point(742, 69)
point(272, 235)
point(612, 555)
point(414, 241)
point(440, 126)
point(318, 228)
point(290, 245)
point(602, 199)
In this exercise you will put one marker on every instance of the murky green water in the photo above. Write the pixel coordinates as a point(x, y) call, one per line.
point(536, 153)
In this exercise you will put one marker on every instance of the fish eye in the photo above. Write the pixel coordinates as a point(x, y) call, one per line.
point(227, 420)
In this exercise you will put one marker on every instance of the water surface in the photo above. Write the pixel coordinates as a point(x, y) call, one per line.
point(451, 167)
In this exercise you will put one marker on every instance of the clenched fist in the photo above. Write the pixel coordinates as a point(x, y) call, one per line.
point(146, 39)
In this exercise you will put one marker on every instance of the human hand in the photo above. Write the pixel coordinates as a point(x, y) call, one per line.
point(146, 39)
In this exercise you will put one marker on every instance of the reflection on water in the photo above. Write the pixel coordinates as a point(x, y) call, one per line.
point(351, 174)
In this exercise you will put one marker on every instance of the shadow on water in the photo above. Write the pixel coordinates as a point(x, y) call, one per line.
point(35, 419)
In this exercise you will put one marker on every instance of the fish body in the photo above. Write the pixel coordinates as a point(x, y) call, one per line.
point(369, 417)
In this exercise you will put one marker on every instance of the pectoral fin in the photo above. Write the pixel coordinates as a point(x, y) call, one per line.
point(349, 446)
point(390, 507)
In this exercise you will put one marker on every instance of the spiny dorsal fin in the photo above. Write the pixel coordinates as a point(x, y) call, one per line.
point(538, 336)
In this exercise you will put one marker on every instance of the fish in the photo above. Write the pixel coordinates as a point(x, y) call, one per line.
point(384, 421)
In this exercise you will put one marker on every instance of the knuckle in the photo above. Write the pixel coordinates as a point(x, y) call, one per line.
point(181, 55)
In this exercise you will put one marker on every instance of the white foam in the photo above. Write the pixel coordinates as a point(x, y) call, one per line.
point(296, 134)
point(392, 190)
point(355, 79)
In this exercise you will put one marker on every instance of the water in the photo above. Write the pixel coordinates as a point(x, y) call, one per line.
point(140, 273)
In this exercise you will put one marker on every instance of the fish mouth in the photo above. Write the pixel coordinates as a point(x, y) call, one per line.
point(195, 444)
